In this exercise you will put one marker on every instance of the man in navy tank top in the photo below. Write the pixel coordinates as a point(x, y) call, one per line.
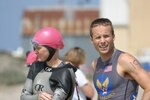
point(117, 74)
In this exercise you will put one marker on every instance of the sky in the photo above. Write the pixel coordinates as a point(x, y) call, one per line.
point(11, 12)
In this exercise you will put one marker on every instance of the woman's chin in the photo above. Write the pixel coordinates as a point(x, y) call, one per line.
point(40, 60)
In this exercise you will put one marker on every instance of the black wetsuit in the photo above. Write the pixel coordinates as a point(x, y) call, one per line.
point(109, 84)
point(59, 82)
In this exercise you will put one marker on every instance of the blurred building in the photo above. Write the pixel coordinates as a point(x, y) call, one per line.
point(73, 22)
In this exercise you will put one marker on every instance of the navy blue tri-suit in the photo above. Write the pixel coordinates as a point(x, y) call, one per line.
point(59, 82)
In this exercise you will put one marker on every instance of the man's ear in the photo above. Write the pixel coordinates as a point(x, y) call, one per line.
point(91, 40)
point(113, 37)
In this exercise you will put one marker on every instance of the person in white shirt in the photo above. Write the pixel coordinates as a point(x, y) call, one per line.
point(84, 89)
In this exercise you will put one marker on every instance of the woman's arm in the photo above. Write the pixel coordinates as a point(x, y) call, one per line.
point(84, 84)
point(27, 91)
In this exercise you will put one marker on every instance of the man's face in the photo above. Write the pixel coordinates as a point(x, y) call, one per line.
point(102, 39)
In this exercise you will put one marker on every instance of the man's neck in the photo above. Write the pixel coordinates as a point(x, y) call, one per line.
point(106, 57)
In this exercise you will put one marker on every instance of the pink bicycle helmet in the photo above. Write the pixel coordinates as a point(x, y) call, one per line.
point(31, 57)
point(49, 36)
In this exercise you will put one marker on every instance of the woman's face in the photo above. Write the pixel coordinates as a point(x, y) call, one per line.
point(41, 52)
point(102, 39)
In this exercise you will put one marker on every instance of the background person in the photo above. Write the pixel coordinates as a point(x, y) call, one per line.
point(50, 78)
point(117, 73)
point(31, 57)
point(77, 57)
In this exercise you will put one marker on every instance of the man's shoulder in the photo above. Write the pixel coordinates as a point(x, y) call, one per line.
point(125, 57)
point(126, 61)
point(94, 62)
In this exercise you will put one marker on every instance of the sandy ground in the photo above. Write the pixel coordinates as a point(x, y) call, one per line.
point(10, 92)
point(13, 93)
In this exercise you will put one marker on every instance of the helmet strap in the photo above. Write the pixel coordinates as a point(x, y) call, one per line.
point(51, 52)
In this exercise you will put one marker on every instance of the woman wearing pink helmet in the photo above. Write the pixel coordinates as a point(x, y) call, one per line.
point(50, 78)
